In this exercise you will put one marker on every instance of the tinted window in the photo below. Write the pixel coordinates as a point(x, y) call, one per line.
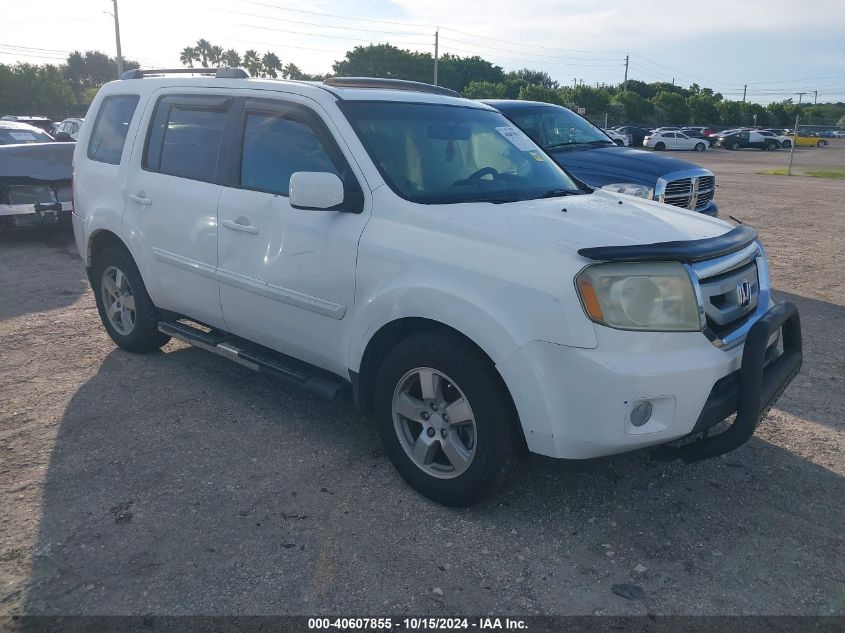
point(110, 128)
point(185, 141)
point(555, 126)
point(275, 148)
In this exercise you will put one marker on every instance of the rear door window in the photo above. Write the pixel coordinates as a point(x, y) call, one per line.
point(111, 127)
point(186, 137)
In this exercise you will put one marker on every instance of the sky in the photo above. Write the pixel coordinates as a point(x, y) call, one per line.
point(773, 47)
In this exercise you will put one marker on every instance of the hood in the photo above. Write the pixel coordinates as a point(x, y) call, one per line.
point(543, 227)
point(624, 164)
point(607, 219)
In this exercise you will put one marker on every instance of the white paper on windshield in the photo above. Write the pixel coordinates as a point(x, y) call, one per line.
point(22, 136)
point(517, 137)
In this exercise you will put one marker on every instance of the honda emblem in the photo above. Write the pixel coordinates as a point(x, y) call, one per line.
point(743, 293)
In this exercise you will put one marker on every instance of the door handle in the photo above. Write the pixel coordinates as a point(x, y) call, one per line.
point(140, 199)
point(240, 224)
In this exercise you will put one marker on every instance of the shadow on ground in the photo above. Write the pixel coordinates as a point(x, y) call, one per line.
point(182, 484)
point(24, 269)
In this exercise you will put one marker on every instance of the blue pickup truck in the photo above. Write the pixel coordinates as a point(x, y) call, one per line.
point(588, 154)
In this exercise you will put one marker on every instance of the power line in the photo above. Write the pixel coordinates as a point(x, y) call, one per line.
point(332, 15)
point(331, 37)
point(327, 26)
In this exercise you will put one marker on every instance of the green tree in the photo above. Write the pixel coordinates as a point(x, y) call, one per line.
point(215, 55)
point(385, 60)
point(91, 70)
point(533, 92)
point(203, 49)
point(457, 72)
point(641, 88)
point(29, 88)
point(485, 90)
point(188, 56)
point(536, 77)
point(231, 58)
point(672, 105)
point(841, 121)
point(703, 107)
point(730, 113)
point(292, 71)
point(252, 63)
point(635, 109)
point(270, 64)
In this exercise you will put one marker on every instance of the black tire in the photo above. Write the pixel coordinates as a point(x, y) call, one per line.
point(499, 444)
point(734, 146)
point(144, 335)
point(699, 147)
point(787, 144)
point(773, 146)
point(660, 146)
point(821, 143)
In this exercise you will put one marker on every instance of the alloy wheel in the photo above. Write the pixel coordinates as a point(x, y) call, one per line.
point(118, 300)
point(434, 423)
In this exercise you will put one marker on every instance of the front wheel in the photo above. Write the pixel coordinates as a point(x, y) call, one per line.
point(699, 147)
point(127, 312)
point(821, 143)
point(787, 144)
point(446, 419)
point(734, 146)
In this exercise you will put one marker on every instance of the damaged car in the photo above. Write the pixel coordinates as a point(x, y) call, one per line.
point(35, 184)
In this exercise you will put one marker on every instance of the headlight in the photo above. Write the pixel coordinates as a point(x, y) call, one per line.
point(630, 189)
point(653, 296)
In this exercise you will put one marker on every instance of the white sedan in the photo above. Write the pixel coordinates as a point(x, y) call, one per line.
point(618, 137)
point(674, 140)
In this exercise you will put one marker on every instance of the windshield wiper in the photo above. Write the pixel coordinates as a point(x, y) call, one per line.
point(555, 193)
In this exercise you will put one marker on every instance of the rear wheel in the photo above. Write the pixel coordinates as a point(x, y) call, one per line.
point(787, 144)
point(772, 146)
point(734, 145)
point(446, 419)
point(660, 146)
point(821, 143)
point(127, 312)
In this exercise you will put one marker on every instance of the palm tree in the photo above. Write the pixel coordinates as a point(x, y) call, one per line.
point(231, 58)
point(188, 56)
point(252, 63)
point(292, 71)
point(203, 49)
point(215, 55)
point(271, 64)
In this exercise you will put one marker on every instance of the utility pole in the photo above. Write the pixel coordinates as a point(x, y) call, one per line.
point(117, 40)
point(794, 135)
point(815, 97)
point(575, 82)
point(436, 52)
point(744, 90)
point(625, 83)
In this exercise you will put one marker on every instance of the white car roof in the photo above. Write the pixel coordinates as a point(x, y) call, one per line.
point(317, 90)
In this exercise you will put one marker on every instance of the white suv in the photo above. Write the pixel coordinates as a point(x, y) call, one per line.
point(394, 242)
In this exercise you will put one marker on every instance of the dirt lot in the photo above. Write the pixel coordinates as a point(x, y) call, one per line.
point(178, 483)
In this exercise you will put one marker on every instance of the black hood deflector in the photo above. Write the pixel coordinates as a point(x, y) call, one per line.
point(682, 251)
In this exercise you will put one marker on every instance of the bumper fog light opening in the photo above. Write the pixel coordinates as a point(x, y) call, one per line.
point(641, 413)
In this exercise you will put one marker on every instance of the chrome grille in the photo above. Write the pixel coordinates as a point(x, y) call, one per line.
point(691, 189)
point(733, 290)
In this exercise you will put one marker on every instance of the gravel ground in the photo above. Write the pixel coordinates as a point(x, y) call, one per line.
point(178, 483)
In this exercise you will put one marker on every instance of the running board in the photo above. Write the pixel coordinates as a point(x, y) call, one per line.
point(257, 358)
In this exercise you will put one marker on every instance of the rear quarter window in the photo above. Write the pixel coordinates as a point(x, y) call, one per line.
point(111, 127)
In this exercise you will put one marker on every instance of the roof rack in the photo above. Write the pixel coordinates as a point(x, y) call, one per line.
point(391, 84)
point(219, 73)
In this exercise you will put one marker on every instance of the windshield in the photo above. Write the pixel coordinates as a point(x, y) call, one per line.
point(23, 135)
point(555, 126)
point(442, 154)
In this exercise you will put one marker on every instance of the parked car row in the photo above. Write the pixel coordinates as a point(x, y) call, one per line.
point(67, 130)
point(698, 138)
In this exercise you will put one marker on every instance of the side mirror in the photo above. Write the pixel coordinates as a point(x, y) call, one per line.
point(62, 136)
point(317, 190)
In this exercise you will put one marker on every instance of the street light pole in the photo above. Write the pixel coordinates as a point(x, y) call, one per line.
point(117, 40)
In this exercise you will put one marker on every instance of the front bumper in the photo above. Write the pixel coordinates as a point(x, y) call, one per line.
point(576, 403)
